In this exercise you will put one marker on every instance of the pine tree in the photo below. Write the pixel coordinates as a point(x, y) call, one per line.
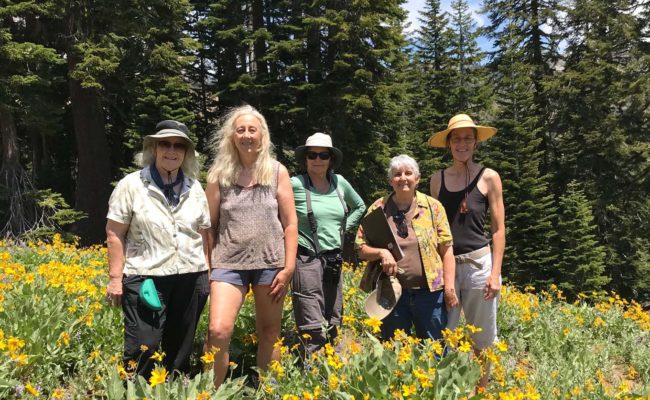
point(602, 100)
point(27, 74)
point(514, 153)
point(535, 24)
point(581, 264)
point(431, 76)
point(470, 91)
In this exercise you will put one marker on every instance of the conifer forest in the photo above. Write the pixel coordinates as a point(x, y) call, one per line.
point(565, 82)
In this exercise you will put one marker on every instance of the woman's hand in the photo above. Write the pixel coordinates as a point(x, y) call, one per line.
point(388, 263)
point(114, 292)
point(451, 300)
point(492, 287)
point(280, 285)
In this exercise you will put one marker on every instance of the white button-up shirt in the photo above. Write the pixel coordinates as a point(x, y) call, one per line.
point(162, 239)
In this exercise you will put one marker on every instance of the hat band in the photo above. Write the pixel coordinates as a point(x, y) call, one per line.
point(458, 122)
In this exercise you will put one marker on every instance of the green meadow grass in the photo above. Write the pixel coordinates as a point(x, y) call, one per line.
point(58, 340)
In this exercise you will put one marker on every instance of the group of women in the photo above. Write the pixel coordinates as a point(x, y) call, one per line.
point(171, 246)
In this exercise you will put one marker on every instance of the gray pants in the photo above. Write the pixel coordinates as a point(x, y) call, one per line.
point(317, 306)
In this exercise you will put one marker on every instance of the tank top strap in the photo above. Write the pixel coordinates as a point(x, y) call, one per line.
point(442, 180)
point(474, 182)
point(276, 174)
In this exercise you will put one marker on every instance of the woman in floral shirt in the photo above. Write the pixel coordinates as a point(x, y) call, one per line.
point(426, 272)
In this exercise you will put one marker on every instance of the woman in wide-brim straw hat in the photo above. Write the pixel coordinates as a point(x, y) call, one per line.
point(317, 286)
point(466, 190)
point(157, 220)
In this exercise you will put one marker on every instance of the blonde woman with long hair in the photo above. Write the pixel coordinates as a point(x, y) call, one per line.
point(254, 234)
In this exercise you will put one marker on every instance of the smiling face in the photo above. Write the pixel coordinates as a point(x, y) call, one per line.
point(248, 134)
point(462, 143)
point(317, 166)
point(170, 153)
point(404, 180)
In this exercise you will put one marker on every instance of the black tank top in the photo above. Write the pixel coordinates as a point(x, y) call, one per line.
point(467, 229)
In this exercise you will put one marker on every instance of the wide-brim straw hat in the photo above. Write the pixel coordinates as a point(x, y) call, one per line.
point(167, 129)
point(439, 139)
point(381, 301)
point(319, 139)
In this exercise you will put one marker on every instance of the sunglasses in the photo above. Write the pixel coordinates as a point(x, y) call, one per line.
point(323, 155)
point(400, 223)
point(178, 146)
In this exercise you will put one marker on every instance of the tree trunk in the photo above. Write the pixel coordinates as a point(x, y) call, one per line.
point(93, 163)
point(19, 211)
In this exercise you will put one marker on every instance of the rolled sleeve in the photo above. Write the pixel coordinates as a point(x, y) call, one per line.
point(120, 204)
point(442, 225)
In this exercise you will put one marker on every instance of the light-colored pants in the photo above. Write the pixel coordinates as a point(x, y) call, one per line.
point(470, 283)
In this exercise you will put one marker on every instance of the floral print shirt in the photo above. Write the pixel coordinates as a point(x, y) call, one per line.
point(431, 229)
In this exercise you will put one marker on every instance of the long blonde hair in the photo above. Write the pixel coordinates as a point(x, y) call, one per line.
point(226, 165)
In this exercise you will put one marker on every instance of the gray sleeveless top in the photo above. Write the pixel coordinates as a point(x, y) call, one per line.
point(250, 234)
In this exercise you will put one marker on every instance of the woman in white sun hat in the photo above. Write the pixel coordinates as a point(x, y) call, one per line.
point(467, 190)
point(327, 208)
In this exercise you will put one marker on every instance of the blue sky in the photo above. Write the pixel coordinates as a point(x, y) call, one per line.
point(413, 6)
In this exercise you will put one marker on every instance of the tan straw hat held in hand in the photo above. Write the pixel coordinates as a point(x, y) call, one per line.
point(382, 300)
point(439, 139)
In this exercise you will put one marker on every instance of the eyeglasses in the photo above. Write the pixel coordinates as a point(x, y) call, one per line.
point(323, 155)
point(400, 223)
point(178, 146)
point(467, 140)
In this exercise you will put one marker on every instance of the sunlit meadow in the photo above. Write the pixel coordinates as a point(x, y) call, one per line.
point(59, 340)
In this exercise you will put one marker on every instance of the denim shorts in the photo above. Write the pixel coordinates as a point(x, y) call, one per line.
point(250, 277)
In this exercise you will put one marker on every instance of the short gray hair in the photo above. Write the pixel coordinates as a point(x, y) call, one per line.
point(402, 161)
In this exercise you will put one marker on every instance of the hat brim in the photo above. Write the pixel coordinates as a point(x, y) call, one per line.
point(439, 139)
point(379, 308)
point(301, 150)
point(150, 140)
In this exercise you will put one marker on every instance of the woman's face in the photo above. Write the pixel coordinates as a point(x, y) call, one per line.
point(462, 143)
point(404, 180)
point(248, 134)
point(170, 153)
point(314, 161)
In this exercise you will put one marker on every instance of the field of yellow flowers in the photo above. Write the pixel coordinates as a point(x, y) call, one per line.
point(58, 340)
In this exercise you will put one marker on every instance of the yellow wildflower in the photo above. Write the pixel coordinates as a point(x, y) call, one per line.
point(208, 358)
point(64, 338)
point(58, 394)
point(465, 346)
point(144, 347)
point(333, 382)
point(20, 359)
point(132, 365)
point(14, 344)
point(158, 376)
point(158, 356)
point(520, 373)
point(373, 323)
point(409, 390)
point(632, 373)
point(203, 396)
point(31, 389)
point(502, 346)
point(121, 372)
